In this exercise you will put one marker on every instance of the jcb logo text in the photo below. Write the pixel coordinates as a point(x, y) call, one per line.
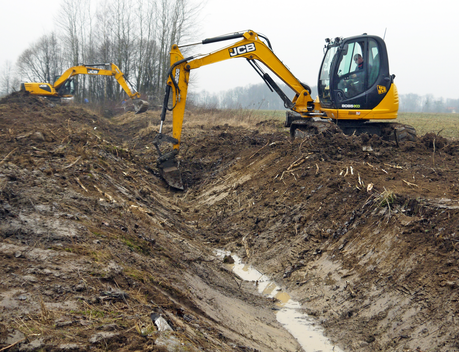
point(382, 89)
point(93, 72)
point(243, 49)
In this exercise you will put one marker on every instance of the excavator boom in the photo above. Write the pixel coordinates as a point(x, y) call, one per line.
point(251, 47)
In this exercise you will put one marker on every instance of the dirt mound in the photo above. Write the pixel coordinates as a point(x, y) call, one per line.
point(94, 246)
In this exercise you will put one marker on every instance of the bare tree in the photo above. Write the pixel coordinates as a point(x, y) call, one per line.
point(71, 20)
point(7, 79)
point(43, 61)
point(135, 35)
point(176, 23)
point(146, 48)
point(74, 20)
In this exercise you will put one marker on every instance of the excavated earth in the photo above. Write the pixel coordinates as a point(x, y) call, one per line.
point(363, 232)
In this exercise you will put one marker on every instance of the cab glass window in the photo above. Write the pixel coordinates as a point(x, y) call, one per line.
point(374, 62)
point(324, 78)
point(351, 70)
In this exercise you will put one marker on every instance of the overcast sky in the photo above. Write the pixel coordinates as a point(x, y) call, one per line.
point(420, 37)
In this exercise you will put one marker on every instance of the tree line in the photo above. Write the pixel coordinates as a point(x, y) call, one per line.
point(135, 35)
point(260, 97)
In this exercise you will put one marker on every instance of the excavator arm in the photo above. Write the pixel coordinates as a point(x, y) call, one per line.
point(250, 47)
point(109, 69)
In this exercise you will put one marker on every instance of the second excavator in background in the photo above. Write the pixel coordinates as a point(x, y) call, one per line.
point(355, 89)
point(64, 85)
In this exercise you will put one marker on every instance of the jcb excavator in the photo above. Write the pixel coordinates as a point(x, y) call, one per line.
point(355, 87)
point(64, 86)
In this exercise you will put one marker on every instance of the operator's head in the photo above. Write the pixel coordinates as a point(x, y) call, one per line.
point(358, 58)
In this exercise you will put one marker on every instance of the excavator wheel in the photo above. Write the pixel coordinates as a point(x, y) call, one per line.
point(397, 132)
point(140, 105)
point(404, 133)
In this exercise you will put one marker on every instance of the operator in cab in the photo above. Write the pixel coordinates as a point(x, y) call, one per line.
point(359, 61)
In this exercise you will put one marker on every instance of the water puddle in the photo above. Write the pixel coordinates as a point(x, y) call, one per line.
point(305, 329)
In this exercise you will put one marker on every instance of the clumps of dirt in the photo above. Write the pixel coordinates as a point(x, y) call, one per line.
point(362, 231)
point(23, 99)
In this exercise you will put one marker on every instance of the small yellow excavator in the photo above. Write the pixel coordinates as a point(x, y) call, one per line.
point(64, 86)
point(354, 89)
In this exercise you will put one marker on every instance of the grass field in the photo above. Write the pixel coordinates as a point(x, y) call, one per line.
point(446, 125)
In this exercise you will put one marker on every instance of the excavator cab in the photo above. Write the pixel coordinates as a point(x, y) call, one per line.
point(355, 75)
point(68, 88)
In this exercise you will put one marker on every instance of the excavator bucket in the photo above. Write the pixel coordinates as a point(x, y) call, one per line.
point(170, 172)
point(167, 163)
point(140, 105)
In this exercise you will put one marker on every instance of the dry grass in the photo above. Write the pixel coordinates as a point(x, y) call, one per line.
point(195, 117)
point(46, 316)
point(439, 123)
point(151, 127)
point(234, 117)
point(386, 198)
point(442, 123)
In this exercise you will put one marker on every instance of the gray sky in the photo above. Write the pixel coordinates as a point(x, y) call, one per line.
point(420, 37)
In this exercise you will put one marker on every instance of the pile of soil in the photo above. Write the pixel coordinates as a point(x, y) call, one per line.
point(95, 247)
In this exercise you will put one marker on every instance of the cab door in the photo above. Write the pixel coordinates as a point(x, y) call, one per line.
point(361, 73)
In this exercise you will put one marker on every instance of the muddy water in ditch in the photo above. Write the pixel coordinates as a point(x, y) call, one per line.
point(307, 332)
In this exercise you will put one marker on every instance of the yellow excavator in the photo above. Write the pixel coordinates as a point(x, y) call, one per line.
point(355, 88)
point(64, 86)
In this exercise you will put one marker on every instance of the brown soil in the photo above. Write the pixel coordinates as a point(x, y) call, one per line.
point(94, 245)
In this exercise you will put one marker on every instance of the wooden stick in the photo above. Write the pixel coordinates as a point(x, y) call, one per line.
point(393, 166)
point(7, 347)
point(6, 157)
point(14, 344)
point(68, 166)
point(79, 182)
point(259, 150)
point(410, 184)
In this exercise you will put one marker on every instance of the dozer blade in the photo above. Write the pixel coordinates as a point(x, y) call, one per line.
point(140, 105)
point(170, 172)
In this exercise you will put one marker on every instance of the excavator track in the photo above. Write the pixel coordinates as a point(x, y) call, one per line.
point(390, 131)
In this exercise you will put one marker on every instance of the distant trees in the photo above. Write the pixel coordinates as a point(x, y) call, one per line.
point(256, 96)
point(135, 35)
point(428, 103)
point(259, 97)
